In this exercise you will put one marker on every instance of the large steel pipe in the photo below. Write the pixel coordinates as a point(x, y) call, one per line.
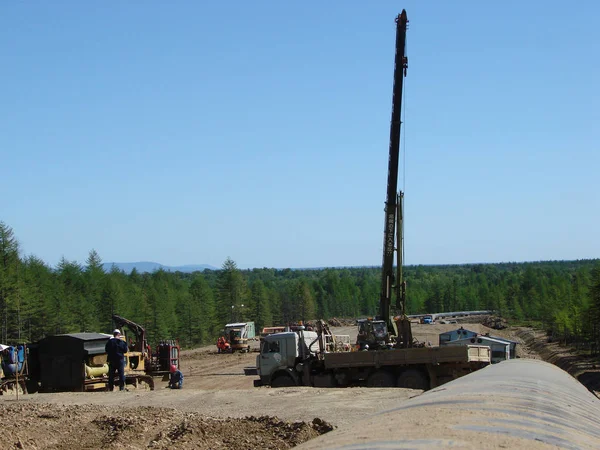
point(514, 404)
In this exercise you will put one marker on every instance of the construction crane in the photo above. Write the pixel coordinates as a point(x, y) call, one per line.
point(376, 333)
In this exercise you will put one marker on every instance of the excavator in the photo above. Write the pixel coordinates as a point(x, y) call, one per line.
point(383, 331)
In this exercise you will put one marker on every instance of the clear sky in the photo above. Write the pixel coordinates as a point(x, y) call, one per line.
point(186, 132)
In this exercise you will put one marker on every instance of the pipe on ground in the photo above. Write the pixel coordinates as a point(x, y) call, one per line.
point(520, 403)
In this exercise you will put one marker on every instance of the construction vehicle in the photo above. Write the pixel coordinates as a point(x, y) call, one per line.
point(236, 336)
point(140, 356)
point(383, 332)
point(372, 334)
point(303, 358)
point(78, 362)
point(389, 357)
point(14, 370)
point(427, 319)
point(271, 330)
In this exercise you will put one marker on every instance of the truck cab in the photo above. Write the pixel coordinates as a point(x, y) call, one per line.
point(428, 319)
point(282, 355)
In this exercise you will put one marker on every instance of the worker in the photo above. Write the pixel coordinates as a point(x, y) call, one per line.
point(176, 378)
point(222, 345)
point(115, 350)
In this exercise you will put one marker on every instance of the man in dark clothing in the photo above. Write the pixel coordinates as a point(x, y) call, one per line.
point(176, 378)
point(115, 350)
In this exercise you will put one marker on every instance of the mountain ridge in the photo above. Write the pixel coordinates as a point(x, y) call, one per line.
point(150, 266)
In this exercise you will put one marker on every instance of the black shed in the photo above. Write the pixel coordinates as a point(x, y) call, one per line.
point(62, 359)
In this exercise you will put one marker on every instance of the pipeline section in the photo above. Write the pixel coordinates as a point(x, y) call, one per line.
point(521, 403)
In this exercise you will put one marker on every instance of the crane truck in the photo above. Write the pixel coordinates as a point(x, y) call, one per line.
point(390, 357)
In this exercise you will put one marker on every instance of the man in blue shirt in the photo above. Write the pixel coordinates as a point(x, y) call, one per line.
point(115, 349)
point(176, 378)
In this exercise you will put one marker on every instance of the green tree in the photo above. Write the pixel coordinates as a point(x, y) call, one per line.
point(304, 301)
point(9, 284)
point(69, 305)
point(261, 313)
point(202, 321)
point(40, 286)
point(231, 292)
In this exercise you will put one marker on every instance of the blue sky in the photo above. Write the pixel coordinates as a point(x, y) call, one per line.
point(186, 132)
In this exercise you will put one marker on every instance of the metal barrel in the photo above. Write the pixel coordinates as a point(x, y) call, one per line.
point(520, 403)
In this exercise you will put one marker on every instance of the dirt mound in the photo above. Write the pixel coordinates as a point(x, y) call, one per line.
point(44, 426)
point(585, 368)
point(495, 322)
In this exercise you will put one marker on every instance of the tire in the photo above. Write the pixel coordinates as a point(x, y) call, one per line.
point(282, 381)
point(381, 378)
point(413, 379)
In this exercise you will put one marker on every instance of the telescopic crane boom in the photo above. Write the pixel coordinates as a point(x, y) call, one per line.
point(393, 202)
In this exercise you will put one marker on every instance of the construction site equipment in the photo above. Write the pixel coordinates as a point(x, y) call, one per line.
point(370, 332)
point(166, 355)
point(14, 369)
point(78, 362)
point(71, 362)
point(140, 358)
point(515, 404)
point(311, 358)
point(237, 335)
point(305, 358)
point(271, 330)
point(427, 319)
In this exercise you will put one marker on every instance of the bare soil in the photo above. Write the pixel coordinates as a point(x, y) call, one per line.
point(218, 408)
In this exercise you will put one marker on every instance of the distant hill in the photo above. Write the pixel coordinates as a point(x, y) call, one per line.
point(146, 266)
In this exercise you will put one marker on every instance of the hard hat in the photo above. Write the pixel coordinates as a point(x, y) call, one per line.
point(116, 331)
point(173, 368)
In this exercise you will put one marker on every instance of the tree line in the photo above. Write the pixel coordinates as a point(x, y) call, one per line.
point(37, 300)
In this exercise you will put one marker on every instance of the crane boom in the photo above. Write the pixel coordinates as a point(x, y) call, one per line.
point(391, 204)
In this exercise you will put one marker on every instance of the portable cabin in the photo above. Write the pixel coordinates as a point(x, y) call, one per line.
point(513, 344)
point(248, 330)
point(63, 359)
point(500, 349)
point(455, 335)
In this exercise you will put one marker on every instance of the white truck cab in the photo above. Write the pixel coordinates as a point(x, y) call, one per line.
point(280, 353)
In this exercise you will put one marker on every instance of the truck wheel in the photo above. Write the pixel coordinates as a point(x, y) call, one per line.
point(413, 379)
point(282, 381)
point(381, 378)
